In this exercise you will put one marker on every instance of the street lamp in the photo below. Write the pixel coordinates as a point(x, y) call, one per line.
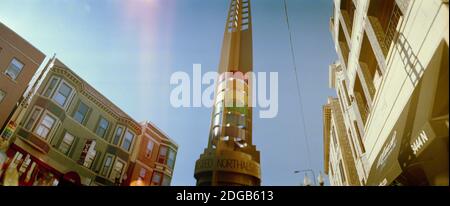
point(320, 178)
point(306, 180)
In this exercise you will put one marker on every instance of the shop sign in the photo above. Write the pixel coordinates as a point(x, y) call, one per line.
point(9, 130)
point(85, 150)
point(387, 150)
point(419, 142)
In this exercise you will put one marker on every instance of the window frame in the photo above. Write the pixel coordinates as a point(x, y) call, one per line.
point(164, 179)
point(171, 151)
point(58, 80)
point(153, 176)
point(34, 121)
point(106, 170)
point(45, 113)
point(119, 141)
point(63, 142)
point(69, 97)
point(165, 155)
point(9, 65)
point(148, 153)
point(124, 165)
point(124, 139)
point(98, 126)
point(76, 112)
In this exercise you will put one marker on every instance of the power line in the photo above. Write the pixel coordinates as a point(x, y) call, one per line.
point(298, 84)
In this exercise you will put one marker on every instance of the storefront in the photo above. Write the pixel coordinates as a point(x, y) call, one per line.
point(34, 172)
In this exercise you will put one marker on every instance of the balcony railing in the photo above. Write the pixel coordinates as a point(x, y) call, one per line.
point(387, 34)
point(391, 31)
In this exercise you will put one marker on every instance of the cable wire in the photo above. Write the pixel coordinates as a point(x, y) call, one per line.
point(305, 133)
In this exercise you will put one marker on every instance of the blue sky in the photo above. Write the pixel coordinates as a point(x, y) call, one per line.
point(127, 49)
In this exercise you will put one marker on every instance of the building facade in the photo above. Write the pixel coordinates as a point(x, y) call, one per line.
point(153, 160)
point(19, 61)
point(71, 134)
point(230, 157)
point(339, 160)
point(392, 85)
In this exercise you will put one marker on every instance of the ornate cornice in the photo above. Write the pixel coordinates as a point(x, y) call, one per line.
point(96, 97)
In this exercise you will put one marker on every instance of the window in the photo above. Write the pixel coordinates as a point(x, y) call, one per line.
point(102, 127)
point(171, 159)
point(2, 95)
point(90, 158)
point(81, 113)
point(116, 173)
point(62, 94)
point(156, 178)
point(34, 116)
point(117, 135)
point(148, 152)
point(51, 86)
point(88, 154)
point(45, 126)
point(166, 181)
point(66, 143)
point(107, 165)
point(127, 140)
point(162, 154)
point(14, 69)
point(142, 173)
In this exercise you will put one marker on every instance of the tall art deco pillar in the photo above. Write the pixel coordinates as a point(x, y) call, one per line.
point(230, 158)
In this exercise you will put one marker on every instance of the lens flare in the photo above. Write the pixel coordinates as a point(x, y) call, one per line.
point(150, 22)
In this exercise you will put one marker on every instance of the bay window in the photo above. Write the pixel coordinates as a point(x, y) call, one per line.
point(33, 118)
point(107, 165)
point(45, 126)
point(127, 140)
point(171, 159)
point(116, 173)
point(102, 127)
point(156, 178)
point(162, 155)
point(117, 135)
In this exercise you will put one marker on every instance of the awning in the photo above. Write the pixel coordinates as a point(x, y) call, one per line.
point(386, 167)
point(401, 158)
point(72, 177)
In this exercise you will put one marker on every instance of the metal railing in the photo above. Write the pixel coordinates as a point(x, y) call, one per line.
point(391, 31)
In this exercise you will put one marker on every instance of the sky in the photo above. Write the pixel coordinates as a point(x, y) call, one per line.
point(128, 49)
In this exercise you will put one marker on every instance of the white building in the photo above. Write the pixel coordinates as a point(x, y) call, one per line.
point(339, 159)
point(392, 83)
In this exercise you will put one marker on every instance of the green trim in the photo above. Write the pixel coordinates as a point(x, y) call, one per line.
point(77, 105)
point(72, 148)
point(59, 141)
